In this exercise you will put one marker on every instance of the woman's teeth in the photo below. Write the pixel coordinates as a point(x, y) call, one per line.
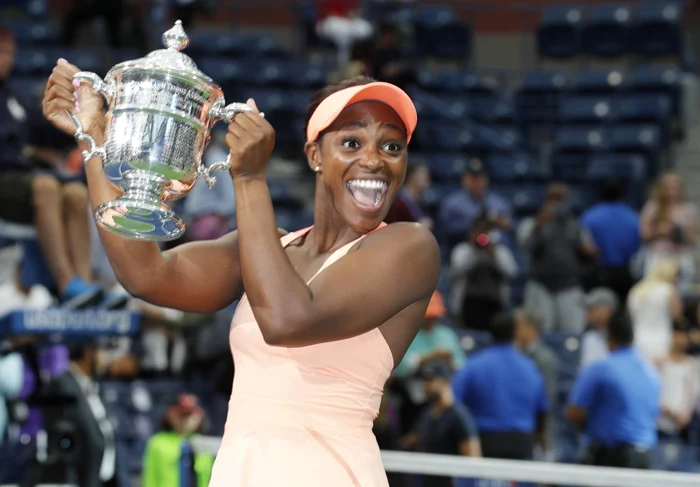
point(367, 191)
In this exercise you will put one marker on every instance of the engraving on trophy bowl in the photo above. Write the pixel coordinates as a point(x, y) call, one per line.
point(161, 109)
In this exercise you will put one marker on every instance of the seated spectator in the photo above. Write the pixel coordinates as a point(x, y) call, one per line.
point(445, 427)
point(669, 225)
point(211, 211)
point(528, 325)
point(407, 206)
point(58, 208)
point(460, 209)
point(15, 296)
point(617, 401)
point(340, 22)
point(481, 270)
point(435, 340)
point(11, 382)
point(601, 305)
point(614, 227)
point(506, 394)
point(654, 304)
point(387, 62)
point(169, 459)
point(557, 245)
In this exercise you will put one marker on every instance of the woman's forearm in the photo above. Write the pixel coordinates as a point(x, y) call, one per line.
point(133, 261)
point(272, 285)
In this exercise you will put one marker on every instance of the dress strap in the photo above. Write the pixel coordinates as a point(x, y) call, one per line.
point(292, 236)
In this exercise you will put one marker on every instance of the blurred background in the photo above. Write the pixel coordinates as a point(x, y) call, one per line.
point(555, 159)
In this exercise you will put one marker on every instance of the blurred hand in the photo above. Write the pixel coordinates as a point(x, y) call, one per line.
point(250, 139)
point(63, 95)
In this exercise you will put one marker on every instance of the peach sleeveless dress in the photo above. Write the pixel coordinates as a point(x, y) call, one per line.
point(302, 417)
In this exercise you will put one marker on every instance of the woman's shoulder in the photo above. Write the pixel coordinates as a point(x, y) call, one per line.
point(405, 233)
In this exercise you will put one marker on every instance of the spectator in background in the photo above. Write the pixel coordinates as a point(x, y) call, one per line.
point(617, 399)
point(506, 394)
point(481, 270)
point(654, 304)
point(340, 22)
point(601, 306)
point(557, 245)
point(446, 427)
point(11, 382)
point(434, 341)
point(460, 209)
point(57, 208)
point(169, 460)
point(668, 227)
point(680, 391)
point(388, 63)
point(528, 340)
point(14, 295)
point(614, 227)
point(212, 211)
point(408, 205)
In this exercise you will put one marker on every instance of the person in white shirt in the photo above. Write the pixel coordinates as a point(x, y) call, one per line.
point(680, 391)
point(601, 304)
point(654, 304)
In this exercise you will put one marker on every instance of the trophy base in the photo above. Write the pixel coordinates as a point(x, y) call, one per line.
point(140, 220)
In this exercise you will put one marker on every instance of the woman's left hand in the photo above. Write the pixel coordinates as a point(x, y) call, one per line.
point(250, 139)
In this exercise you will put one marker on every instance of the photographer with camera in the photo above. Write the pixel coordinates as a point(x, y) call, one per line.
point(481, 269)
point(558, 245)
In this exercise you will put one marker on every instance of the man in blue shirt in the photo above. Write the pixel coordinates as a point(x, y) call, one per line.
point(461, 208)
point(617, 399)
point(506, 395)
point(614, 227)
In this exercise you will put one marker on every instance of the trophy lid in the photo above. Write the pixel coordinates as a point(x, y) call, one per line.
point(171, 58)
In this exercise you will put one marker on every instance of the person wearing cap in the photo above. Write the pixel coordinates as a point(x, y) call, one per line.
point(446, 427)
point(616, 400)
point(459, 210)
point(435, 340)
point(601, 305)
point(172, 446)
point(327, 311)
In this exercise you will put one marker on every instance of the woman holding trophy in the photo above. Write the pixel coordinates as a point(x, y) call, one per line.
point(327, 311)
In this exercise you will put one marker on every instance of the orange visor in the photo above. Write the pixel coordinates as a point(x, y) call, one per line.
point(331, 107)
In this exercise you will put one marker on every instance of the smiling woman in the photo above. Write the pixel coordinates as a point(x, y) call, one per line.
point(327, 311)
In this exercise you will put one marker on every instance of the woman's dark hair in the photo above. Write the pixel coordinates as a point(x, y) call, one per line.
point(610, 190)
point(502, 328)
point(318, 97)
point(620, 330)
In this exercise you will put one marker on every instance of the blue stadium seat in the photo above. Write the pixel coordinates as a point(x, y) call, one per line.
point(491, 109)
point(439, 33)
point(622, 167)
point(600, 81)
point(525, 198)
point(510, 167)
point(581, 139)
point(559, 32)
point(657, 80)
point(463, 81)
point(282, 196)
point(537, 97)
point(434, 195)
point(639, 139)
point(643, 107)
point(34, 34)
point(569, 168)
point(447, 167)
point(591, 109)
point(473, 341)
point(567, 347)
point(253, 45)
point(658, 30)
point(30, 62)
point(293, 220)
point(447, 137)
point(225, 70)
point(606, 32)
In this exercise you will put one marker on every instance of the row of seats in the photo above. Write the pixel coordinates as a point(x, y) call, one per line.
point(654, 28)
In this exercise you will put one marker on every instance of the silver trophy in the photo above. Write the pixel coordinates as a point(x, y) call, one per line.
point(160, 111)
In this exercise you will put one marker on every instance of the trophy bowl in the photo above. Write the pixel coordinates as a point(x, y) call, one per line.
point(160, 111)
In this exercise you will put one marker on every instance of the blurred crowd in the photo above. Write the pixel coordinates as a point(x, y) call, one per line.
point(560, 335)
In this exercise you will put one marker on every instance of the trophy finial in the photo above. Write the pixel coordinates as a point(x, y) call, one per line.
point(176, 38)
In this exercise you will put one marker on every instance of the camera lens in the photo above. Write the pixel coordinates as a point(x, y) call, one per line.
point(65, 443)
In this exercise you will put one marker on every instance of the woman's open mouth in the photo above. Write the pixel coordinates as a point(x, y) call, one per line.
point(368, 193)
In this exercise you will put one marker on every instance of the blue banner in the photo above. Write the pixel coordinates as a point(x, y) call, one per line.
point(77, 323)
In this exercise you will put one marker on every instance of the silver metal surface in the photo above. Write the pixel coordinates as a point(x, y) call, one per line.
point(160, 111)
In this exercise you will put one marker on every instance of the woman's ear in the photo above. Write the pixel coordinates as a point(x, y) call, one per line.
point(313, 155)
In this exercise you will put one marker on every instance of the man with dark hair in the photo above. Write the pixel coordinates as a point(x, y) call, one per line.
point(617, 400)
point(614, 227)
point(506, 395)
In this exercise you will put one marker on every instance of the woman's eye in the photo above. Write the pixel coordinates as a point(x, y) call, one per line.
point(351, 144)
point(393, 147)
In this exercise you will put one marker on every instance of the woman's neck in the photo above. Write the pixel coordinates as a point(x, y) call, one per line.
point(330, 231)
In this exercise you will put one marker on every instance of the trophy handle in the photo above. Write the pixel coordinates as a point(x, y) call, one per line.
point(99, 87)
point(221, 113)
point(206, 172)
point(94, 150)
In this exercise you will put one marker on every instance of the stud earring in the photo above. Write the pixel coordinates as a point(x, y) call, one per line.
point(317, 169)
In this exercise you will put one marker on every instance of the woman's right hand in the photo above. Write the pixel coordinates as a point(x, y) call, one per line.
point(63, 93)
